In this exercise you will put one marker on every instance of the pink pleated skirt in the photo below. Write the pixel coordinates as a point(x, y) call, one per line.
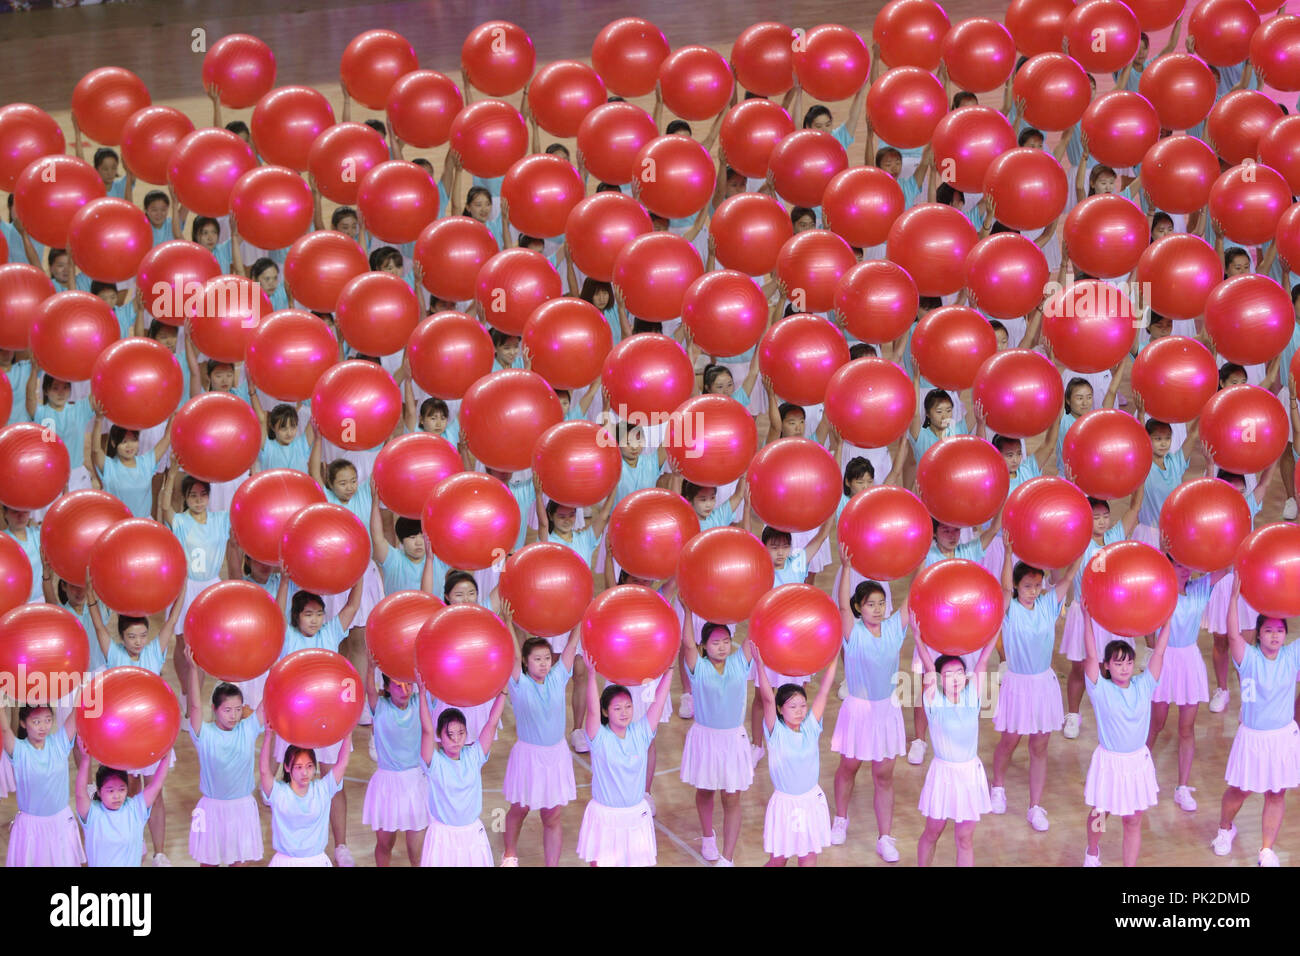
point(1215, 619)
point(540, 777)
point(869, 729)
point(45, 841)
point(372, 592)
point(1264, 761)
point(1029, 703)
point(282, 859)
point(714, 759)
point(618, 836)
point(192, 590)
point(819, 560)
point(1183, 679)
point(796, 824)
point(226, 831)
point(456, 846)
point(1072, 636)
point(396, 800)
point(1122, 784)
point(7, 782)
point(955, 791)
point(325, 756)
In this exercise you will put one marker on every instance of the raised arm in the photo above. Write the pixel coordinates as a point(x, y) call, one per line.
point(265, 772)
point(1135, 506)
point(81, 789)
point(592, 724)
point(340, 767)
point(764, 690)
point(97, 621)
point(427, 739)
point(690, 653)
point(194, 692)
point(153, 789)
point(490, 727)
point(656, 708)
point(1091, 665)
point(378, 544)
point(372, 691)
point(348, 612)
point(167, 635)
point(824, 688)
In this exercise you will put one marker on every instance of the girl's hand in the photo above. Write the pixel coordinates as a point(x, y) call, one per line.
point(81, 745)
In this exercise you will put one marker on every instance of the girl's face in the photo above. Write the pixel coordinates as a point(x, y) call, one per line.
point(822, 122)
point(222, 379)
point(941, 415)
point(134, 638)
point(480, 207)
point(794, 710)
point(399, 693)
point(229, 712)
point(779, 550)
point(1100, 521)
point(804, 223)
point(1034, 142)
point(508, 351)
point(953, 678)
point(344, 484)
point(1161, 229)
point(620, 712)
point(302, 772)
point(1001, 336)
point(113, 793)
point(643, 582)
point(56, 396)
point(157, 212)
point(705, 501)
point(722, 384)
point(208, 236)
point(1239, 265)
point(413, 547)
point(1271, 636)
point(17, 519)
point(539, 663)
point(109, 295)
point(792, 425)
point(61, 269)
point(564, 518)
point(565, 400)
point(269, 280)
point(286, 431)
point(873, 609)
point(38, 724)
point(601, 299)
point(947, 536)
point(1080, 400)
point(167, 338)
point(434, 423)
point(859, 484)
point(465, 592)
point(1031, 585)
point(1160, 328)
point(1161, 440)
point(718, 647)
point(311, 619)
point(452, 739)
point(392, 267)
point(76, 592)
point(1234, 378)
point(196, 502)
point(1106, 184)
point(107, 170)
point(892, 164)
point(1013, 456)
point(1121, 670)
point(631, 445)
point(259, 572)
point(350, 227)
point(1183, 573)
point(128, 447)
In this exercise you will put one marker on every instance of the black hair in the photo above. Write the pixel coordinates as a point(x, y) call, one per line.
point(607, 697)
point(802, 212)
point(299, 604)
point(884, 153)
point(1020, 572)
point(342, 213)
point(964, 98)
point(526, 241)
point(378, 126)
point(1162, 217)
point(946, 193)
point(530, 645)
point(1261, 618)
point(708, 628)
point(25, 712)
point(783, 694)
point(1155, 424)
point(945, 659)
point(858, 467)
point(814, 114)
point(933, 399)
point(116, 435)
point(454, 578)
point(861, 593)
point(555, 149)
point(1116, 651)
point(1071, 386)
point(383, 256)
point(591, 286)
point(238, 127)
point(102, 154)
point(552, 506)
point(608, 188)
point(500, 338)
point(153, 196)
point(712, 373)
point(1027, 134)
point(282, 414)
point(214, 364)
point(1227, 370)
point(1003, 442)
point(336, 466)
point(223, 692)
point(201, 223)
point(188, 484)
point(690, 489)
point(256, 270)
point(105, 774)
point(928, 303)
point(776, 535)
point(127, 621)
point(1094, 503)
point(862, 350)
point(405, 528)
point(994, 324)
point(474, 193)
point(96, 287)
point(785, 408)
point(452, 715)
point(431, 405)
point(678, 126)
point(291, 754)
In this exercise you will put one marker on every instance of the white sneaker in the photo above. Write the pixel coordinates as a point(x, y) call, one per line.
point(578, 741)
point(1090, 860)
point(916, 752)
point(686, 709)
point(723, 861)
point(650, 802)
point(839, 831)
point(843, 691)
point(1184, 799)
point(510, 861)
point(1266, 858)
point(1222, 843)
point(1071, 730)
point(756, 754)
point(998, 799)
point(886, 850)
point(1218, 701)
point(709, 849)
point(343, 856)
point(1037, 818)
point(1289, 510)
point(160, 859)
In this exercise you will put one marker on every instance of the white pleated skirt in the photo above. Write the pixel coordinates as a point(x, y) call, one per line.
point(226, 831)
point(192, 590)
point(955, 791)
point(456, 846)
point(372, 592)
point(714, 759)
point(1215, 618)
point(1072, 636)
point(539, 777)
point(282, 859)
point(396, 800)
point(796, 824)
point(152, 769)
point(618, 836)
point(326, 756)
point(1183, 678)
point(1122, 784)
point(1264, 761)
point(45, 841)
point(869, 729)
point(1029, 703)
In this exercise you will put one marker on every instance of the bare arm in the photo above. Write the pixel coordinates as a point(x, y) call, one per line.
point(690, 653)
point(824, 688)
point(592, 724)
point(490, 727)
point(341, 765)
point(764, 691)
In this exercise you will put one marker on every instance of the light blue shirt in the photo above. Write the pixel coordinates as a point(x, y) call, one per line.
point(151, 657)
point(583, 543)
point(32, 549)
point(1113, 534)
point(525, 496)
point(15, 243)
point(115, 837)
point(793, 758)
point(1124, 713)
point(643, 474)
point(539, 708)
point(720, 698)
point(1159, 483)
point(926, 438)
point(456, 786)
point(397, 734)
point(358, 504)
point(18, 373)
point(1028, 469)
point(42, 775)
point(870, 662)
point(720, 517)
point(97, 659)
point(795, 570)
point(972, 550)
point(1028, 634)
point(1186, 621)
point(400, 572)
point(955, 728)
point(226, 758)
point(294, 455)
point(69, 423)
point(132, 486)
point(162, 233)
point(329, 637)
point(300, 826)
point(618, 764)
point(1271, 703)
point(204, 544)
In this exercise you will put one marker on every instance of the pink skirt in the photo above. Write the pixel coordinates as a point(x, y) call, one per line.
point(540, 777)
point(869, 729)
point(618, 836)
point(226, 831)
point(372, 592)
point(715, 759)
point(45, 841)
point(192, 590)
point(221, 493)
point(855, 579)
point(7, 782)
point(817, 561)
point(456, 846)
point(1029, 704)
point(775, 679)
point(152, 769)
point(476, 718)
point(396, 800)
point(1215, 619)
point(252, 690)
point(282, 859)
point(1122, 784)
point(955, 791)
point(1183, 678)
point(326, 756)
point(1072, 636)
point(1264, 761)
point(796, 825)
point(1147, 535)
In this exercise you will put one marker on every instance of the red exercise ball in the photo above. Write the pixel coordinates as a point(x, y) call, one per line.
point(1288, 235)
point(23, 289)
point(1107, 454)
point(910, 33)
point(1051, 91)
point(451, 252)
point(1250, 318)
point(711, 439)
point(1202, 523)
point(631, 634)
point(1156, 14)
point(832, 63)
point(27, 133)
point(597, 229)
point(794, 484)
point(472, 520)
point(377, 312)
point(6, 399)
point(652, 273)
point(36, 469)
point(877, 301)
point(465, 655)
point(722, 573)
point(1178, 172)
point(1048, 522)
point(1103, 35)
point(311, 698)
point(1181, 270)
point(40, 644)
point(137, 382)
point(107, 238)
point(448, 352)
point(962, 480)
point(885, 531)
point(1037, 26)
point(748, 231)
point(979, 54)
point(799, 354)
point(73, 525)
point(763, 60)
point(148, 139)
point(48, 193)
point(319, 265)
point(1090, 325)
point(392, 629)
point(235, 630)
point(170, 276)
point(273, 206)
point(1247, 202)
point(958, 606)
point(725, 312)
point(1175, 376)
point(372, 63)
point(286, 122)
point(870, 402)
point(216, 437)
point(1238, 121)
point(421, 106)
point(138, 567)
point(1018, 393)
point(967, 141)
point(675, 176)
point(128, 718)
point(341, 156)
point(407, 468)
point(1279, 148)
point(397, 200)
point(1268, 564)
point(288, 351)
point(498, 57)
point(70, 330)
point(931, 242)
point(577, 463)
point(796, 628)
point(547, 586)
point(356, 405)
point(1222, 30)
point(224, 318)
point(1105, 235)
point(324, 548)
point(860, 205)
point(1244, 429)
point(647, 530)
point(562, 94)
point(646, 375)
point(1273, 50)
point(750, 131)
point(541, 191)
point(627, 53)
point(1120, 126)
point(503, 415)
point(512, 284)
point(263, 505)
point(204, 167)
point(566, 340)
point(950, 344)
point(241, 68)
point(1129, 588)
point(104, 99)
point(489, 137)
point(905, 104)
point(695, 82)
point(610, 139)
point(1006, 275)
point(1181, 88)
point(802, 165)
point(809, 268)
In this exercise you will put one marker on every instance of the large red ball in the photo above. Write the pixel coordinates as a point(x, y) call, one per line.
point(598, 228)
point(950, 344)
point(1103, 35)
point(860, 205)
point(566, 340)
point(36, 469)
point(148, 139)
point(931, 241)
point(451, 252)
point(464, 655)
point(1202, 523)
point(138, 567)
point(1048, 521)
point(541, 191)
point(48, 193)
point(1247, 202)
point(421, 106)
point(1279, 148)
point(1181, 88)
point(750, 131)
point(43, 650)
point(489, 137)
point(904, 106)
point(725, 312)
point(472, 520)
point(711, 439)
point(503, 415)
point(1178, 173)
point(675, 176)
point(1105, 235)
point(288, 352)
point(312, 698)
point(171, 279)
point(372, 63)
point(286, 122)
point(377, 312)
point(241, 67)
point(832, 63)
point(695, 82)
point(562, 94)
point(877, 301)
point(319, 265)
point(1026, 187)
point(646, 375)
point(1268, 563)
point(762, 57)
point(1006, 275)
point(577, 463)
point(967, 141)
point(796, 628)
point(958, 606)
point(652, 273)
point(498, 57)
point(128, 718)
point(1244, 428)
point(1053, 91)
point(392, 628)
point(809, 268)
point(1250, 318)
point(448, 352)
point(1018, 393)
point(794, 484)
point(73, 525)
point(1120, 127)
point(28, 133)
point(610, 138)
point(1222, 30)
point(910, 33)
point(979, 54)
point(1273, 49)
point(962, 480)
point(408, 467)
point(397, 200)
point(799, 354)
point(722, 573)
point(356, 405)
point(802, 165)
point(104, 99)
point(631, 634)
point(216, 437)
point(273, 206)
point(647, 530)
point(870, 401)
point(263, 505)
point(1175, 376)
point(204, 167)
point(235, 630)
point(1090, 325)
point(70, 331)
point(223, 320)
point(1180, 269)
point(886, 532)
point(748, 231)
point(512, 284)
point(1130, 588)
point(1107, 454)
point(547, 586)
point(23, 289)
point(341, 156)
point(1038, 26)
point(1237, 123)
point(324, 548)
